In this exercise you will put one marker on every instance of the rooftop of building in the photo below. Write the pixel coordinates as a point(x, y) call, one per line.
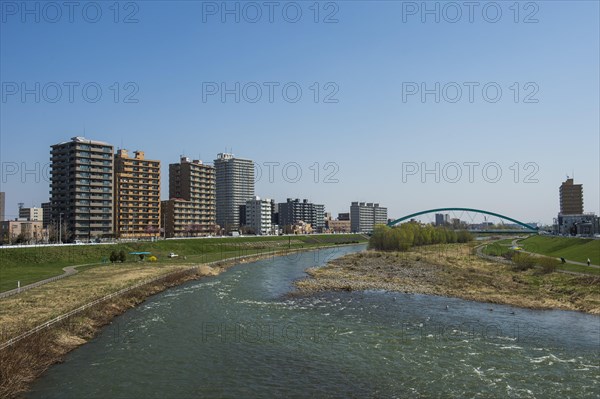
point(80, 139)
point(227, 156)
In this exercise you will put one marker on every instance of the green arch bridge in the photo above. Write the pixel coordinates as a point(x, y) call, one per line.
point(437, 210)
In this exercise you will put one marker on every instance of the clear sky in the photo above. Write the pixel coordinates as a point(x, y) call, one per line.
point(361, 120)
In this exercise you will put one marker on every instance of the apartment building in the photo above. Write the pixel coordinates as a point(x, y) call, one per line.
point(364, 216)
point(22, 232)
point(234, 186)
point(81, 188)
point(191, 209)
point(32, 214)
point(259, 216)
point(571, 198)
point(136, 196)
point(293, 211)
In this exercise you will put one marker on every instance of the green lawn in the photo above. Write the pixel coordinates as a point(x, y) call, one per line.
point(29, 265)
point(575, 249)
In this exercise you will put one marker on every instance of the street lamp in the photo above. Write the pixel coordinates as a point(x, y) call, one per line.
point(60, 228)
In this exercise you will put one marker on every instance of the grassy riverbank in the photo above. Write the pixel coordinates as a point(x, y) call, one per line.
point(453, 270)
point(27, 359)
point(576, 249)
point(30, 357)
point(31, 264)
point(23, 311)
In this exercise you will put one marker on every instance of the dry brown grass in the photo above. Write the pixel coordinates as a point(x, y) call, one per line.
point(454, 271)
point(28, 358)
point(21, 312)
point(24, 361)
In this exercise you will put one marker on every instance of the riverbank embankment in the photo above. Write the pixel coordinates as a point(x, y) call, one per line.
point(26, 359)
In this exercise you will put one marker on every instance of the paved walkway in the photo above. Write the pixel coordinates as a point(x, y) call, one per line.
point(68, 271)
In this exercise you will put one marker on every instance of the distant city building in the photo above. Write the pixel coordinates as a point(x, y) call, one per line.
point(442, 219)
point(318, 221)
point(571, 219)
point(81, 188)
point(21, 232)
point(571, 198)
point(190, 211)
point(31, 214)
point(439, 219)
point(337, 226)
point(242, 214)
point(294, 211)
point(2, 206)
point(136, 196)
point(234, 186)
point(365, 216)
point(47, 209)
point(274, 213)
point(301, 228)
point(586, 224)
point(344, 216)
point(259, 216)
point(457, 223)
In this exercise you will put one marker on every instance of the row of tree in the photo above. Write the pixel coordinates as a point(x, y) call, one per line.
point(408, 235)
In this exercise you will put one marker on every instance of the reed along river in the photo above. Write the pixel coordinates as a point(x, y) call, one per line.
point(240, 335)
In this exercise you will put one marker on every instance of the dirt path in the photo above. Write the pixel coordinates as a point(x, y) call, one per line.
point(68, 271)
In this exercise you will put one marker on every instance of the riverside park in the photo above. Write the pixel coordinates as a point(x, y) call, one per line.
point(71, 294)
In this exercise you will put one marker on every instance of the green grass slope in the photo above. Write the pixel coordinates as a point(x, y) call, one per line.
point(29, 265)
point(576, 249)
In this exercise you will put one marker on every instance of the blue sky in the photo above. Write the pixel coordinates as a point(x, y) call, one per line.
point(367, 61)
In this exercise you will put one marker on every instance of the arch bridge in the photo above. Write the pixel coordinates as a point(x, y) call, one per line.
point(525, 226)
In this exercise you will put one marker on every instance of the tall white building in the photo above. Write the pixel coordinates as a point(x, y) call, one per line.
point(364, 216)
point(234, 186)
point(259, 216)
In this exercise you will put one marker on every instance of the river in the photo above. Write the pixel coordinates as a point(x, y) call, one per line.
point(241, 334)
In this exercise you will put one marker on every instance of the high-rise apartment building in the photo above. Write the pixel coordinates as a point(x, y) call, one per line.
point(136, 196)
point(235, 186)
point(190, 211)
point(259, 216)
point(81, 188)
point(293, 211)
point(571, 198)
point(364, 216)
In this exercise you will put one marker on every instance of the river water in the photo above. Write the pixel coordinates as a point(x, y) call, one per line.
point(240, 334)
